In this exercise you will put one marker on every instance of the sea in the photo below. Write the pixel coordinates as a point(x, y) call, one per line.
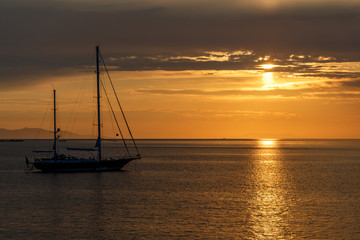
point(190, 189)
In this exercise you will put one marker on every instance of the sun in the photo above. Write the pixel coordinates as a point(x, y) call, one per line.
point(268, 66)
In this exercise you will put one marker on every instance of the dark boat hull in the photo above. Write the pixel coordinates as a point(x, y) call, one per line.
point(81, 165)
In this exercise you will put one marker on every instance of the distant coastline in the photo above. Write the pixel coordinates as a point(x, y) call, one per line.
point(34, 133)
point(11, 140)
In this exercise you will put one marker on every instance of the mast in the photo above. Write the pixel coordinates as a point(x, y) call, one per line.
point(55, 131)
point(98, 141)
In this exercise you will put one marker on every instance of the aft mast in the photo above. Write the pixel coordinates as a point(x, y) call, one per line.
point(55, 130)
point(98, 141)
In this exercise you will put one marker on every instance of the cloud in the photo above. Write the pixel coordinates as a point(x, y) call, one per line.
point(45, 38)
point(223, 114)
point(339, 95)
point(352, 84)
point(279, 93)
point(317, 85)
point(171, 29)
point(330, 93)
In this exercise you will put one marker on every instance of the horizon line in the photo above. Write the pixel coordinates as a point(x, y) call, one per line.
point(184, 139)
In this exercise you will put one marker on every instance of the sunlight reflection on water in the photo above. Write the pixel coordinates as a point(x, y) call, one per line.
point(269, 206)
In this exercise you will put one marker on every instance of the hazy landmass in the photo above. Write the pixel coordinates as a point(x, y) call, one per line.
point(36, 133)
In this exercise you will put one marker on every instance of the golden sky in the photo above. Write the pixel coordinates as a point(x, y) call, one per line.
point(183, 69)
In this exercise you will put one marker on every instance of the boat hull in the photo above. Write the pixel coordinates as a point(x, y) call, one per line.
point(81, 165)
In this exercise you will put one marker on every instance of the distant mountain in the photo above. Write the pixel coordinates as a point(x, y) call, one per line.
point(35, 133)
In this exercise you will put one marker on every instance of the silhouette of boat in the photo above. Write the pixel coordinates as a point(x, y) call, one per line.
point(70, 163)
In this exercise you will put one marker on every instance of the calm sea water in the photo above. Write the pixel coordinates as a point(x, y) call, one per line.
point(187, 189)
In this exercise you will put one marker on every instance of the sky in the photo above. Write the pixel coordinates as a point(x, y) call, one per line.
point(186, 69)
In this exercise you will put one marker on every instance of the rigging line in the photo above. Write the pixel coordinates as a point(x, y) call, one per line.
point(94, 129)
point(114, 128)
point(116, 121)
point(122, 112)
point(43, 119)
point(112, 122)
point(74, 113)
point(112, 118)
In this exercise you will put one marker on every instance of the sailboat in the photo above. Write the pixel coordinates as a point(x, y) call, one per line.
point(69, 163)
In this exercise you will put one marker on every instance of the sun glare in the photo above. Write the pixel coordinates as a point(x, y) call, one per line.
point(268, 66)
point(267, 143)
point(268, 78)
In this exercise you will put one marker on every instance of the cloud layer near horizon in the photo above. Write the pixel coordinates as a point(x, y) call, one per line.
point(45, 38)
